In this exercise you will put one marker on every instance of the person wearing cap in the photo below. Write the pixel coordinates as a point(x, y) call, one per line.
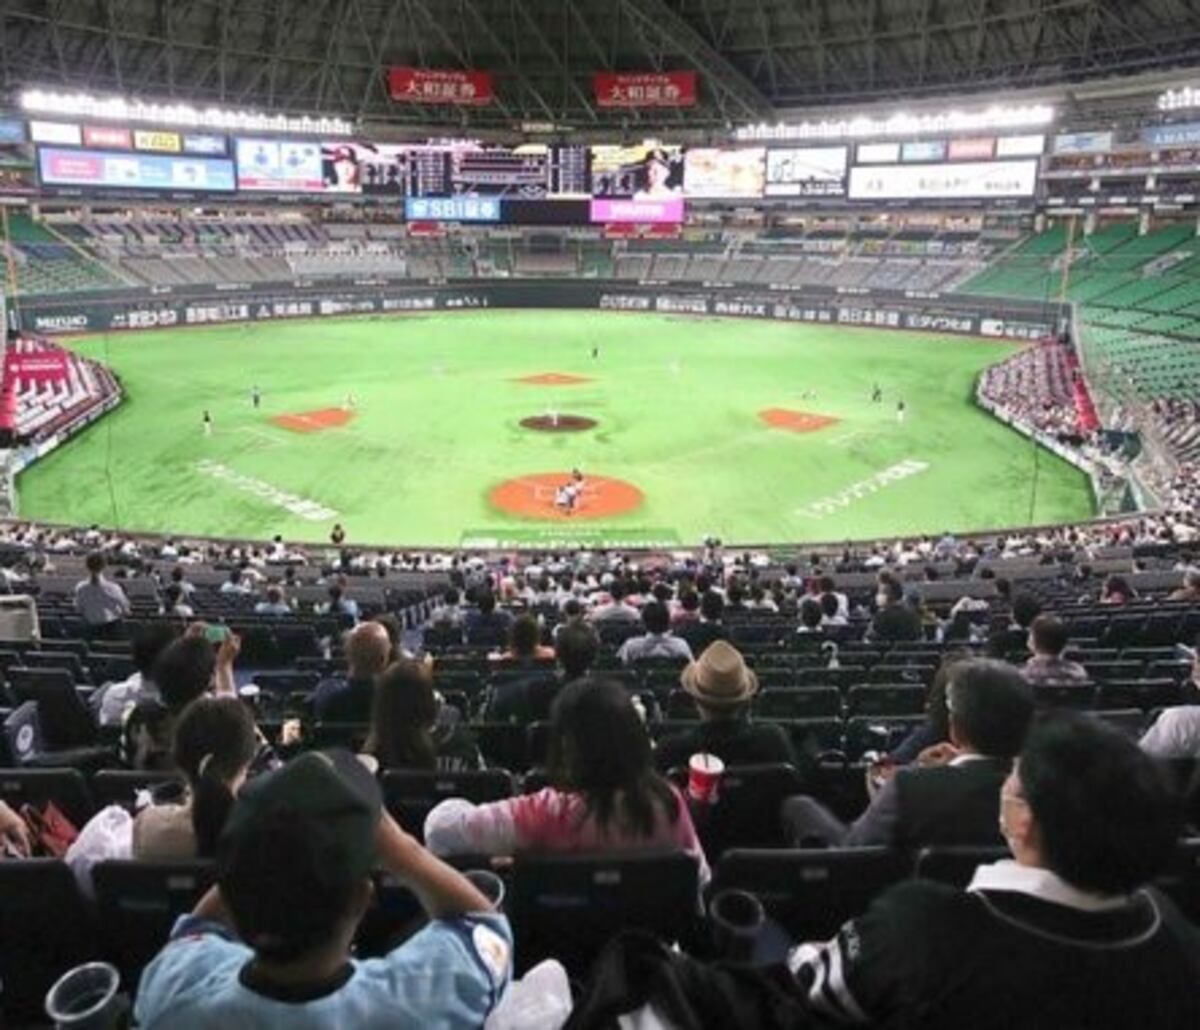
point(269, 945)
point(722, 685)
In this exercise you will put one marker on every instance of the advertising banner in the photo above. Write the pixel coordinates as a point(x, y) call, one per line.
point(167, 142)
point(878, 153)
point(452, 209)
point(923, 150)
point(720, 172)
point(972, 149)
point(440, 86)
point(645, 212)
point(1185, 134)
point(1021, 146)
point(644, 89)
point(106, 137)
point(54, 132)
point(36, 367)
point(100, 168)
point(1083, 143)
point(284, 166)
point(12, 130)
point(806, 172)
point(205, 143)
point(965, 181)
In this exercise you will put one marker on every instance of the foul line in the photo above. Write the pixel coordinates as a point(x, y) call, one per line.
point(299, 506)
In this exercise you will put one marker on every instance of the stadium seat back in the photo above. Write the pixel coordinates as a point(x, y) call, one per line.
point(746, 813)
point(138, 902)
point(894, 699)
point(410, 795)
point(955, 865)
point(65, 787)
point(811, 892)
point(45, 930)
point(798, 703)
point(568, 906)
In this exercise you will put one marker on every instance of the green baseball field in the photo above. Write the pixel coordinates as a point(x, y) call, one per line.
point(463, 429)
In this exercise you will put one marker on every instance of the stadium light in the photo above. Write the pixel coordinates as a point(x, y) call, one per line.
point(902, 123)
point(1178, 99)
point(119, 109)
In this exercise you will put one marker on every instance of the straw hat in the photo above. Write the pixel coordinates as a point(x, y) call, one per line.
point(719, 676)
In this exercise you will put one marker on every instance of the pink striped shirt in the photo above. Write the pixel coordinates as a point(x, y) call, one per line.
point(550, 820)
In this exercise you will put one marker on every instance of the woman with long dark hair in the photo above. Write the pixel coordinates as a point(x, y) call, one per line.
point(411, 728)
point(605, 793)
point(215, 744)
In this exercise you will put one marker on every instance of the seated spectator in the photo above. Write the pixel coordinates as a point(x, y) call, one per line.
point(111, 702)
point(827, 587)
point(449, 612)
point(572, 613)
point(346, 608)
point(1089, 823)
point(1190, 591)
point(525, 645)
point(486, 624)
point(1048, 638)
point(273, 604)
point(1015, 636)
point(186, 588)
point(175, 603)
point(605, 794)
point(722, 685)
point(658, 643)
point(1117, 591)
point(215, 742)
point(950, 796)
point(395, 632)
point(832, 615)
point(615, 609)
point(701, 632)
point(368, 649)
point(529, 699)
point(270, 944)
point(1176, 731)
point(894, 619)
point(686, 610)
point(100, 602)
point(412, 729)
point(186, 669)
point(936, 727)
point(235, 584)
point(812, 616)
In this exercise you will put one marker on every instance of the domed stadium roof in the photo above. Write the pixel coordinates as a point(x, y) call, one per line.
point(755, 58)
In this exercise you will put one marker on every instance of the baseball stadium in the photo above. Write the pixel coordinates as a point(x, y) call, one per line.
point(540, 514)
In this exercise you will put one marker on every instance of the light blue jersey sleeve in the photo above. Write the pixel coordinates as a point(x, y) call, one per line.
point(449, 975)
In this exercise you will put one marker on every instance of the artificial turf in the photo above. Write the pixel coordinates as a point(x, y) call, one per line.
point(436, 426)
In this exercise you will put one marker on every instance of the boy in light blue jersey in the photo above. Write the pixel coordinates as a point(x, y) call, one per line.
point(269, 945)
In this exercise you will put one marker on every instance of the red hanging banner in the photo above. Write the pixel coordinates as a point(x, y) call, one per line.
point(645, 89)
point(440, 86)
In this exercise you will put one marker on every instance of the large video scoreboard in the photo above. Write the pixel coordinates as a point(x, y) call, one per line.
point(530, 183)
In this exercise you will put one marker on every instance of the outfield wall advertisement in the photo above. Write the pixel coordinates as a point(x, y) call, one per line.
point(66, 316)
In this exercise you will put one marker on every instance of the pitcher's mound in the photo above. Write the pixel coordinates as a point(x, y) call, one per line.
point(553, 379)
point(532, 497)
point(796, 421)
point(558, 423)
point(313, 421)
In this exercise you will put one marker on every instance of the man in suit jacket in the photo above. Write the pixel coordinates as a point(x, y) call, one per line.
point(952, 797)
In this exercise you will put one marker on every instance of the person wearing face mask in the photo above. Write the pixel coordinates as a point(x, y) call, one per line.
point(894, 620)
point(1063, 934)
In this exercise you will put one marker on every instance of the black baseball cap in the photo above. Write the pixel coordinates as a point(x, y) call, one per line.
point(297, 843)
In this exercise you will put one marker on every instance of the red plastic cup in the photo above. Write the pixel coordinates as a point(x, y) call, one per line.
point(704, 777)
